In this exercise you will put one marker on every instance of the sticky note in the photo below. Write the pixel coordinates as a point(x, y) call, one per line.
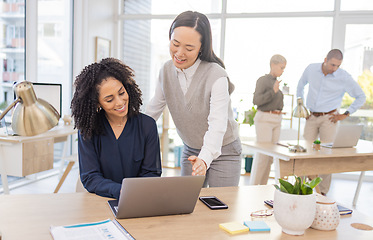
point(257, 226)
point(234, 227)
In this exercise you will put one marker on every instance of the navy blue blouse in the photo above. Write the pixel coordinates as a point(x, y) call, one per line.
point(105, 161)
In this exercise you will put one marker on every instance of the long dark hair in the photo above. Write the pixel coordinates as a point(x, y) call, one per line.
point(84, 105)
point(201, 24)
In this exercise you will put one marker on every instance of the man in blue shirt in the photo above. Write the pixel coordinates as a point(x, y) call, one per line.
point(327, 84)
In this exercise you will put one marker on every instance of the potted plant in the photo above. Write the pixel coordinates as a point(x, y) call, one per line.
point(295, 205)
point(285, 89)
point(316, 145)
point(249, 116)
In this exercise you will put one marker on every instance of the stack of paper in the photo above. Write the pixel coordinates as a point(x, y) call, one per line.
point(107, 229)
point(257, 226)
point(234, 227)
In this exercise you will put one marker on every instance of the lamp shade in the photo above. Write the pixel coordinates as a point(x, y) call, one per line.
point(300, 110)
point(32, 115)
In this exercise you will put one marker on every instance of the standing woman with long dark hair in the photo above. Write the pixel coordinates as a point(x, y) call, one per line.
point(196, 88)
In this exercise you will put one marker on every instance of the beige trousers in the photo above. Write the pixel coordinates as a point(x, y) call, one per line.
point(267, 127)
point(321, 127)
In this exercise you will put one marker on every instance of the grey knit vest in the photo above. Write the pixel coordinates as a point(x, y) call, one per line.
point(190, 112)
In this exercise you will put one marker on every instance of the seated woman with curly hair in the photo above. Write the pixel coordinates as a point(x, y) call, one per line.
point(115, 140)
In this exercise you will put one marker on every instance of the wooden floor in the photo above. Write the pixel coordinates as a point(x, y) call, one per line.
point(341, 191)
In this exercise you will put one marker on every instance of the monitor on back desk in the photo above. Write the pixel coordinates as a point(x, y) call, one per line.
point(50, 92)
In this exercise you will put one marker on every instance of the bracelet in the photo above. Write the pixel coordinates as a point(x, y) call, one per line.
point(347, 113)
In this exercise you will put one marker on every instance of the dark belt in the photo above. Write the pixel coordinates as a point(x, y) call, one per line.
point(318, 114)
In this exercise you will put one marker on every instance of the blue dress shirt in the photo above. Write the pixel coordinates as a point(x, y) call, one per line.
point(105, 161)
point(325, 93)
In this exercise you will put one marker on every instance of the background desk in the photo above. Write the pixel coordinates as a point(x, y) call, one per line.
point(30, 216)
point(325, 161)
point(22, 156)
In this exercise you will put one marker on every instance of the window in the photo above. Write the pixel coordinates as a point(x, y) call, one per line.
point(299, 30)
point(12, 49)
point(246, 34)
point(247, 53)
point(358, 61)
point(50, 30)
point(272, 6)
point(173, 7)
point(353, 5)
point(54, 47)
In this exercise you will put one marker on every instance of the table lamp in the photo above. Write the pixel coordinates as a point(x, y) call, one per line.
point(31, 115)
point(300, 111)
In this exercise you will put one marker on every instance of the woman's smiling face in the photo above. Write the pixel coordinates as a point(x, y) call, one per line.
point(113, 98)
point(185, 45)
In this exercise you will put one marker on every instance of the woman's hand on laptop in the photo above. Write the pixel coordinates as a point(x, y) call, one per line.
point(198, 166)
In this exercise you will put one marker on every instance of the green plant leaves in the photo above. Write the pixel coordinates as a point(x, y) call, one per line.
point(297, 186)
point(300, 187)
point(306, 189)
point(286, 186)
point(315, 182)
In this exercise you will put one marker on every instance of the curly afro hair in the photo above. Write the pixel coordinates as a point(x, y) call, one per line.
point(84, 105)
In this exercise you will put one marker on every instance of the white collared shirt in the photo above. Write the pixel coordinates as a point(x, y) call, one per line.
point(218, 116)
point(325, 93)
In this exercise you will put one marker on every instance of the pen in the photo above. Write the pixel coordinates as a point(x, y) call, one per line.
point(123, 230)
point(282, 144)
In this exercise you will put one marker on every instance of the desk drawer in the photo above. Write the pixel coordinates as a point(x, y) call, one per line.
point(22, 159)
point(37, 156)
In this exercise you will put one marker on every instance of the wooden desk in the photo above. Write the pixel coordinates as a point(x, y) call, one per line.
point(325, 161)
point(30, 216)
point(21, 156)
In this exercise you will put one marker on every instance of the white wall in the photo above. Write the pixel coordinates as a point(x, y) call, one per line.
point(93, 18)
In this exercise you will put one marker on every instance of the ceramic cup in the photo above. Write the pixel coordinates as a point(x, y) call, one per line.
point(327, 214)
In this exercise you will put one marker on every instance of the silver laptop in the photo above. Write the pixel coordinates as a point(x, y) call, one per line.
point(157, 196)
point(347, 136)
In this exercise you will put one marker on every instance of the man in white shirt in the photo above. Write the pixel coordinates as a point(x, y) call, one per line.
point(327, 85)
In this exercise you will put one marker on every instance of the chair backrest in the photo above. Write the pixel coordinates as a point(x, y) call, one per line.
point(79, 186)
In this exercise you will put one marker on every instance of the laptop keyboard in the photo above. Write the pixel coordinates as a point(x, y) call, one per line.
point(328, 145)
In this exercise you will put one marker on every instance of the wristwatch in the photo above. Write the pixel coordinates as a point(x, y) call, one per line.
point(347, 113)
